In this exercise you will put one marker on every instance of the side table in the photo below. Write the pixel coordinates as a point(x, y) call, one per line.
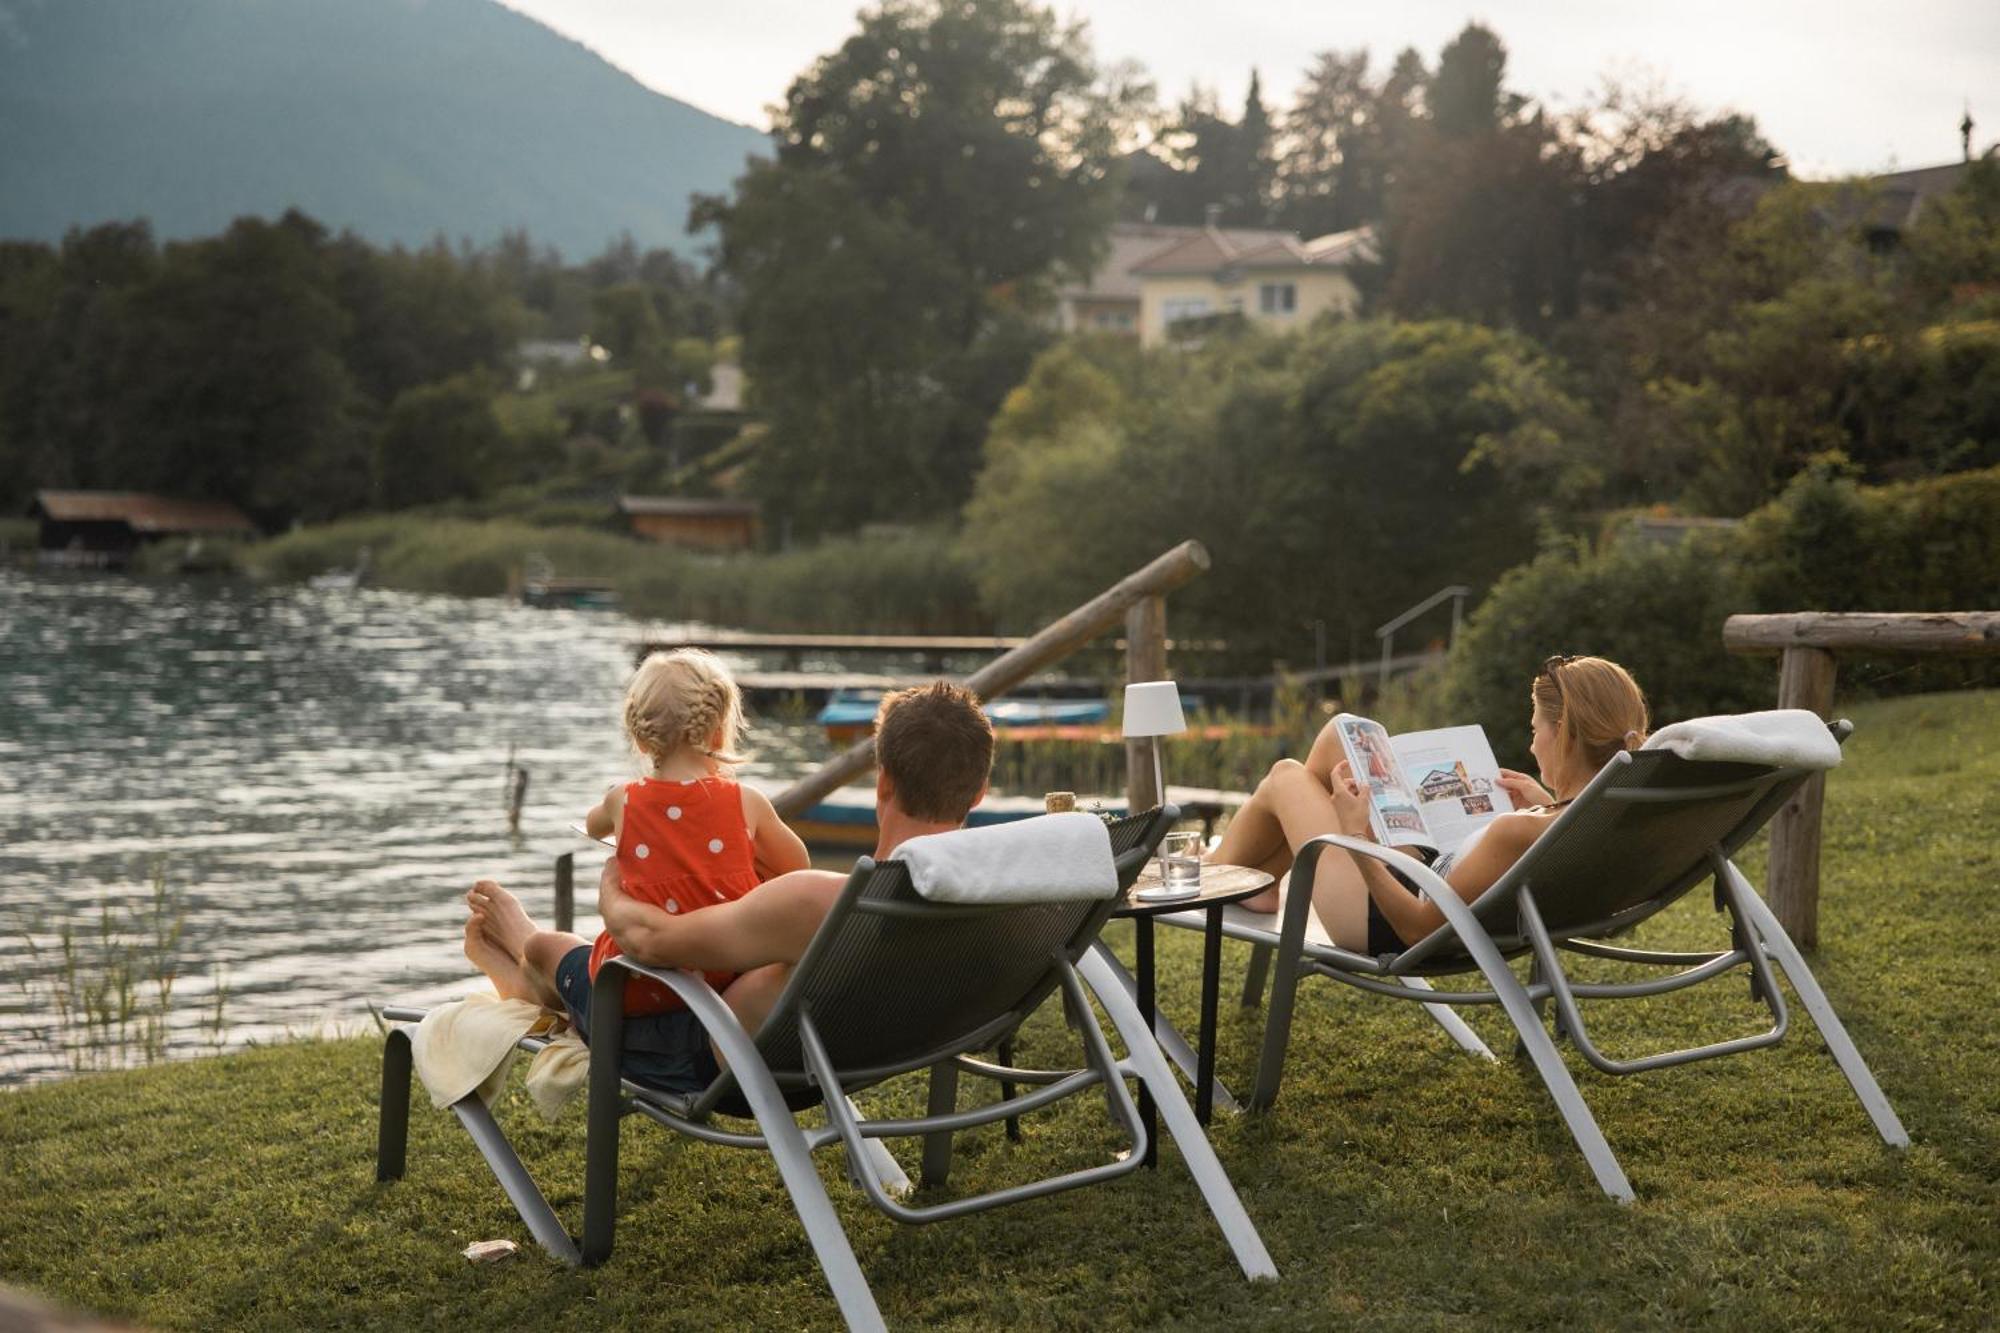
point(1220, 886)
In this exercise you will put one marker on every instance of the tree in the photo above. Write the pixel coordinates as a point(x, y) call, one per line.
point(1466, 97)
point(1343, 465)
point(440, 442)
point(933, 177)
point(233, 386)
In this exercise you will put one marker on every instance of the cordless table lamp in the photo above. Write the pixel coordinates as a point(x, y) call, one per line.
point(1153, 709)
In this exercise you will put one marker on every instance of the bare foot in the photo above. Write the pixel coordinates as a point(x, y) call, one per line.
point(498, 965)
point(502, 917)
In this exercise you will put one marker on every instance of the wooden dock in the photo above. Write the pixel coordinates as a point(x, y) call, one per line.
point(932, 648)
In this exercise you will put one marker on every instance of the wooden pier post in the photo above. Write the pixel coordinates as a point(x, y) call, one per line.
point(1145, 659)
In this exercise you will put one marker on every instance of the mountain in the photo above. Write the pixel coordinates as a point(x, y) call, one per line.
point(400, 119)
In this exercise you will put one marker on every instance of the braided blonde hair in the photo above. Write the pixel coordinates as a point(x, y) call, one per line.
point(684, 697)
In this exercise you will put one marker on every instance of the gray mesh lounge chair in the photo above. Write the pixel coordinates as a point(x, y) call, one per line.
point(1650, 827)
point(890, 985)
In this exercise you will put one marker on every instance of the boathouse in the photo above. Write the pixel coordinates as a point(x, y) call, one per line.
point(709, 525)
point(100, 528)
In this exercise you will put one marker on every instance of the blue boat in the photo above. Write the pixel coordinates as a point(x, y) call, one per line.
point(848, 714)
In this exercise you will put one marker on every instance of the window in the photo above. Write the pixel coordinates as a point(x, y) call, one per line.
point(1177, 308)
point(1278, 298)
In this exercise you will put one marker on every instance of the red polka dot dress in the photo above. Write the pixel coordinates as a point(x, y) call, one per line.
point(682, 846)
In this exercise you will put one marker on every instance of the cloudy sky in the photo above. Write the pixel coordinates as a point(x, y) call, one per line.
point(1840, 85)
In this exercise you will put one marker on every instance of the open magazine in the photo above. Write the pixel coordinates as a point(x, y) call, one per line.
point(1430, 790)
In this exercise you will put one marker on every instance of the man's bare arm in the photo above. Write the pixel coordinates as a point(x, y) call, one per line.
point(773, 923)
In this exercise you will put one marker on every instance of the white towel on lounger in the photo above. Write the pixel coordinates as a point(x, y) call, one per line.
point(1781, 738)
point(1045, 859)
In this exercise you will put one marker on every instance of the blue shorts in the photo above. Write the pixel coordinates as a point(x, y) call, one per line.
point(668, 1051)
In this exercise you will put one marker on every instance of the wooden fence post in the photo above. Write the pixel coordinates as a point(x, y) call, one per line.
point(1805, 680)
point(1145, 659)
point(566, 891)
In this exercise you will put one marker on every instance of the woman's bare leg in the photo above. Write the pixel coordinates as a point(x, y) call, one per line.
point(1255, 836)
point(1326, 754)
point(1293, 798)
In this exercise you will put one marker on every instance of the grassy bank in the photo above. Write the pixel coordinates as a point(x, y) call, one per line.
point(911, 582)
point(1398, 1182)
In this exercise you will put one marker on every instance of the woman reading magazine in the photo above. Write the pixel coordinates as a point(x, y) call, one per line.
point(1586, 709)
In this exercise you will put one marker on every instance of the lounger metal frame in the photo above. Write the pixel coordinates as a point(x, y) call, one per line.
point(834, 1032)
point(1647, 829)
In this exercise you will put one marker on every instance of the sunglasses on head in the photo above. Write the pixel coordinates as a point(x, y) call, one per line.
point(1551, 665)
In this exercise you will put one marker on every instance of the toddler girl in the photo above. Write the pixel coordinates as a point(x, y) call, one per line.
point(688, 835)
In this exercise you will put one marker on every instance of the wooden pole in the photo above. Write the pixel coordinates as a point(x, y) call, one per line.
point(566, 892)
point(1950, 633)
point(1805, 680)
point(1145, 659)
point(1054, 643)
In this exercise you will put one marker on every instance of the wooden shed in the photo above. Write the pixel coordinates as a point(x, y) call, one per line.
point(709, 525)
point(105, 527)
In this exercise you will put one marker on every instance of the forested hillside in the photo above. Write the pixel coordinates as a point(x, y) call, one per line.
point(400, 121)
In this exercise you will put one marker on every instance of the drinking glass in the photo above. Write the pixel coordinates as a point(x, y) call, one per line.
point(1180, 862)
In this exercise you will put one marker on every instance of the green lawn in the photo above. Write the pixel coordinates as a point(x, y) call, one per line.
point(1397, 1183)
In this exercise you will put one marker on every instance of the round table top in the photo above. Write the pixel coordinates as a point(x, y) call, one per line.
point(1219, 884)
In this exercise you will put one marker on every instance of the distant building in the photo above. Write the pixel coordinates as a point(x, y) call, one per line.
point(1898, 198)
point(1274, 279)
point(708, 525)
point(105, 527)
point(1108, 300)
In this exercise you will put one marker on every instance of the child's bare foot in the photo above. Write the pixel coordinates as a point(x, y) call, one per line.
point(501, 916)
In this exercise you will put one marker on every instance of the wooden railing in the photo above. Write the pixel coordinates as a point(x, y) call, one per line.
point(1138, 599)
point(1805, 643)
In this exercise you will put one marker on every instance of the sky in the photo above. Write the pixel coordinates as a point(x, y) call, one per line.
point(1841, 86)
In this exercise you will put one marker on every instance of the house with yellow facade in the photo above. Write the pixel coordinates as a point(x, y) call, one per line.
point(1273, 279)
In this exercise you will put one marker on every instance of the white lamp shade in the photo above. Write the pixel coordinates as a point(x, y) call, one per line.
point(1153, 708)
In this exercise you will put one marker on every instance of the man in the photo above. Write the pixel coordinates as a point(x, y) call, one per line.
point(933, 755)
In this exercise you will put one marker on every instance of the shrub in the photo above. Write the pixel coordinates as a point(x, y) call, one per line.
point(1826, 544)
point(908, 581)
point(1656, 610)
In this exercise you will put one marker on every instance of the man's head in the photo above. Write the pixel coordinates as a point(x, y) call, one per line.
point(934, 747)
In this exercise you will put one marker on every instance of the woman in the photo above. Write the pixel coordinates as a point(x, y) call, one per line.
point(1585, 710)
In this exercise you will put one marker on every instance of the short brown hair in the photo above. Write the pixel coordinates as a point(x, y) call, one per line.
point(936, 745)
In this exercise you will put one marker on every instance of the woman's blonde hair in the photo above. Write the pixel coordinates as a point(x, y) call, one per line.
point(1595, 706)
point(684, 697)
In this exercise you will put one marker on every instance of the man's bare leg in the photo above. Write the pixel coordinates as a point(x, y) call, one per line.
point(507, 925)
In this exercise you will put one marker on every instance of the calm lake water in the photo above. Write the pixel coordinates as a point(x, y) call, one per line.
point(316, 776)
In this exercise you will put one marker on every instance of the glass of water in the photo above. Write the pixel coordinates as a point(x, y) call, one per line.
point(1180, 862)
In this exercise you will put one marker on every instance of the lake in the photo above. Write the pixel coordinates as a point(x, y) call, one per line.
point(315, 776)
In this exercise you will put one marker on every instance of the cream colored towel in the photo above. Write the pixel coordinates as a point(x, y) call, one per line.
point(557, 1073)
point(469, 1045)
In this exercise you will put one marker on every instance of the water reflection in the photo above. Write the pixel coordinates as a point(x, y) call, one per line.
point(318, 774)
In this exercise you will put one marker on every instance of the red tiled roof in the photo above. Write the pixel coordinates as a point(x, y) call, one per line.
point(156, 514)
